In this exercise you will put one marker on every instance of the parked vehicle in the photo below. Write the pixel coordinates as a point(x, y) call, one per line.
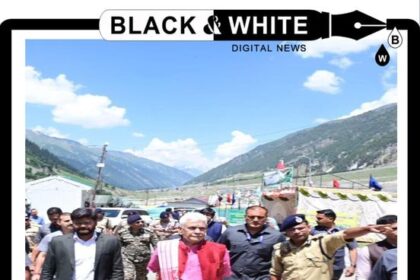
point(117, 214)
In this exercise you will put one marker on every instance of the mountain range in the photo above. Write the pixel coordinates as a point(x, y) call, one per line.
point(121, 169)
point(365, 140)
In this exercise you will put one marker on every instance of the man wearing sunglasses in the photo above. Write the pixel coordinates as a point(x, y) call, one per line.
point(250, 245)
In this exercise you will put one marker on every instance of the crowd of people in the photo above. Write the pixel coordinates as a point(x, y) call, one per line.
point(83, 245)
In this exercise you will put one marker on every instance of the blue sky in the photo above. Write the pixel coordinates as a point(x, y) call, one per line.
point(195, 105)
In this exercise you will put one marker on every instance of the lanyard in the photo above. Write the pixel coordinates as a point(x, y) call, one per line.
point(249, 238)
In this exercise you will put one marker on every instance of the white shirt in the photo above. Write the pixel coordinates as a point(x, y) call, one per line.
point(363, 267)
point(84, 253)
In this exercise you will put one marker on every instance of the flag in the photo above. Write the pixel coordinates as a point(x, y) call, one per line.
point(280, 165)
point(288, 176)
point(336, 184)
point(272, 177)
point(233, 198)
point(278, 177)
point(373, 184)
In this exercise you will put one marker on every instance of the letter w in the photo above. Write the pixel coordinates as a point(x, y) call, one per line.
point(239, 23)
point(382, 58)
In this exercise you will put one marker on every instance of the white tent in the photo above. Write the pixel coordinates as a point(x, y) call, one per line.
point(56, 191)
point(353, 207)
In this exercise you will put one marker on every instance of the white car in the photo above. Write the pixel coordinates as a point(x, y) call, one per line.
point(116, 214)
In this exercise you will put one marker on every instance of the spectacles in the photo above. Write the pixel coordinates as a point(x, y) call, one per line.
point(256, 217)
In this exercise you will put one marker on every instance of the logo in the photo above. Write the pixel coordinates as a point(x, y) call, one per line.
point(213, 26)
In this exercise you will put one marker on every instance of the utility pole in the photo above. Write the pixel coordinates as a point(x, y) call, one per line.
point(310, 169)
point(100, 165)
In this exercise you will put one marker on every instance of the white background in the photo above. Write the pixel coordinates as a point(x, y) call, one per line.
point(381, 10)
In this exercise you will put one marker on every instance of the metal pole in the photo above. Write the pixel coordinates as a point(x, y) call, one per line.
point(100, 165)
point(310, 173)
point(310, 169)
point(320, 180)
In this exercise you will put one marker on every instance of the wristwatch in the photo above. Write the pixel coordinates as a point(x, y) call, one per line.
point(353, 265)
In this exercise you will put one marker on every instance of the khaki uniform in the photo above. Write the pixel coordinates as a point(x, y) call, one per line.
point(33, 235)
point(103, 225)
point(165, 231)
point(306, 262)
point(135, 251)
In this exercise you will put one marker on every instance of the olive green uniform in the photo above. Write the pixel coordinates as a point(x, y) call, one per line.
point(135, 250)
point(309, 261)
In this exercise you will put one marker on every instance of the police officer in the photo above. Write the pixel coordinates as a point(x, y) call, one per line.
point(135, 242)
point(310, 257)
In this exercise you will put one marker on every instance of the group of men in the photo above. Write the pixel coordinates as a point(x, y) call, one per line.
point(205, 250)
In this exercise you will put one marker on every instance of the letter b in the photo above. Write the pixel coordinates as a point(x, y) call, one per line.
point(117, 25)
point(395, 40)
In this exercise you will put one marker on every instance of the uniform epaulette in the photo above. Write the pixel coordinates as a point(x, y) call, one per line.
point(277, 246)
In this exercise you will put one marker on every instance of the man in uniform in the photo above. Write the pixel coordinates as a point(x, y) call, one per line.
point(305, 257)
point(32, 233)
point(103, 224)
point(135, 248)
point(165, 228)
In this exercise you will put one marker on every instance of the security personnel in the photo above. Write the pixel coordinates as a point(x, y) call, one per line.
point(305, 257)
point(135, 248)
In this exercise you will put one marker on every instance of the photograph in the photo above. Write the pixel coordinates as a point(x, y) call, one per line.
point(278, 127)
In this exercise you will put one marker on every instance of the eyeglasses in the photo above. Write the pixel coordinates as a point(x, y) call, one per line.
point(256, 217)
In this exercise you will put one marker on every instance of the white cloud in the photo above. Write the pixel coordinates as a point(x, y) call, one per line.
point(320, 120)
point(88, 111)
point(83, 141)
point(48, 91)
point(389, 74)
point(239, 144)
point(186, 153)
point(390, 96)
point(138, 134)
point(342, 46)
point(342, 62)
point(182, 153)
point(324, 81)
point(50, 131)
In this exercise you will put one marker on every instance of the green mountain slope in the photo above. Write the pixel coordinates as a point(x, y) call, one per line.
point(122, 170)
point(41, 163)
point(366, 140)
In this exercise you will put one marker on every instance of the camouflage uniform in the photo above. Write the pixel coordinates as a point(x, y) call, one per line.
point(135, 249)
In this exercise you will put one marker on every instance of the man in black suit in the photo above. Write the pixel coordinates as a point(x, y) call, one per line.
point(84, 254)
